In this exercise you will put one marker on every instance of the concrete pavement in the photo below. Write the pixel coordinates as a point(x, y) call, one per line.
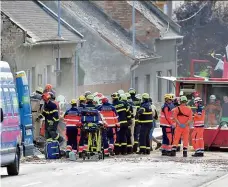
point(219, 182)
point(123, 171)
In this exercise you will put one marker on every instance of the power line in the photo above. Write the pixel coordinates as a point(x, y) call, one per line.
point(186, 19)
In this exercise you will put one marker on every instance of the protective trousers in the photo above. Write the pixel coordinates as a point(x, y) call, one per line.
point(212, 121)
point(83, 144)
point(181, 132)
point(36, 126)
point(129, 145)
point(72, 133)
point(51, 131)
point(136, 136)
point(167, 138)
point(123, 138)
point(144, 139)
point(197, 139)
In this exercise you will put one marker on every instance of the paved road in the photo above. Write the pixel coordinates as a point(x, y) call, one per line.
point(128, 171)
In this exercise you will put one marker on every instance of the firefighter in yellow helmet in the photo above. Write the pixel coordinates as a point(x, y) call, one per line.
point(146, 121)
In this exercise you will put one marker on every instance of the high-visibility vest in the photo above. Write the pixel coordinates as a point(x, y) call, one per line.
point(164, 118)
point(199, 119)
point(72, 120)
point(110, 118)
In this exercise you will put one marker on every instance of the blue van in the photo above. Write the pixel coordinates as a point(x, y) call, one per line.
point(11, 135)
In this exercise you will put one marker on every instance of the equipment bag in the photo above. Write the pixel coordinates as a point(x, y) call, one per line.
point(90, 116)
point(52, 150)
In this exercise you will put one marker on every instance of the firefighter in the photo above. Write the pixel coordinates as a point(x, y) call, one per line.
point(123, 98)
point(212, 112)
point(183, 118)
point(70, 117)
point(136, 125)
point(197, 134)
point(82, 102)
point(176, 103)
point(146, 120)
point(110, 117)
point(90, 102)
point(167, 125)
point(51, 115)
point(191, 102)
point(36, 104)
point(49, 88)
point(123, 112)
point(87, 93)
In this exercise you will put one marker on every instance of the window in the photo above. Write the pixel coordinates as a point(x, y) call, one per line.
point(9, 108)
point(15, 102)
point(147, 84)
point(159, 86)
point(49, 73)
point(136, 84)
point(40, 80)
point(169, 83)
point(2, 104)
point(45, 76)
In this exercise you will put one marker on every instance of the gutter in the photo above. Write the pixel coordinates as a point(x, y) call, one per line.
point(52, 43)
point(56, 17)
point(136, 64)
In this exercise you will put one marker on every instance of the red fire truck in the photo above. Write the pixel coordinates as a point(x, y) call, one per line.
point(213, 136)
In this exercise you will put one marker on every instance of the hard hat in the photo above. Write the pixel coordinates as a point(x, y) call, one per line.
point(87, 93)
point(128, 95)
point(132, 91)
point(90, 97)
point(82, 98)
point(48, 87)
point(213, 97)
point(46, 96)
point(52, 95)
point(96, 100)
point(99, 95)
point(69, 148)
point(95, 94)
point(39, 90)
point(123, 97)
point(145, 96)
point(183, 98)
point(105, 100)
point(197, 99)
point(172, 95)
point(168, 96)
point(138, 96)
point(115, 95)
point(120, 92)
point(196, 94)
point(73, 102)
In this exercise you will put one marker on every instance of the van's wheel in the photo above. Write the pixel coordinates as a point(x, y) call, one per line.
point(13, 169)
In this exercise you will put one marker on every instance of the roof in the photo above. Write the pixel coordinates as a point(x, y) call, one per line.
point(90, 16)
point(38, 24)
point(167, 27)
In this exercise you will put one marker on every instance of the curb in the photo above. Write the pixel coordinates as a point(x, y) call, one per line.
point(213, 181)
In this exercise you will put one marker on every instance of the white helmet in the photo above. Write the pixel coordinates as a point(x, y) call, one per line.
point(197, 99)
point(123, 97)
point(212, 97)
point(139, 96)
point(121, 92)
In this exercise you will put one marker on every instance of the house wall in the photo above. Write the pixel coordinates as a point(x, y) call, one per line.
point(166, 49)
point(101, 64)
point(38, 60)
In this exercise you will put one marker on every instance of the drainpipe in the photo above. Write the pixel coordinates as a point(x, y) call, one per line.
point(59, 35)
point(77, 55)
point(133, 43)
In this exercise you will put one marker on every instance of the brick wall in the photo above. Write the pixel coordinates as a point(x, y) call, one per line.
point(11, 39)
point(121, 12)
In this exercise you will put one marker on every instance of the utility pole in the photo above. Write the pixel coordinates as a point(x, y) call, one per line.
point(133, 43)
